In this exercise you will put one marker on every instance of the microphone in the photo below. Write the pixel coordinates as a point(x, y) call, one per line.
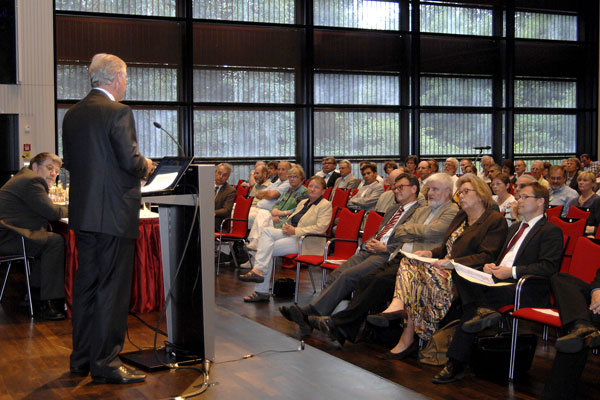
point(159, 126)
point(482, 148)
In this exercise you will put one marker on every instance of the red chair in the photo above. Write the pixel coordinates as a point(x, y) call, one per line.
point(554, 211)
point(242, 191)
point(239, 229)
point(571, 228)
point(340, 198)
point(585, 263)
point(346, 242)
point(578, 212)
point(371, 225)
point(353, 193)
point(327, 193)
point(386, 187)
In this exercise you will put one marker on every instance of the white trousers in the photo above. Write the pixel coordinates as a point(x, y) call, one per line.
point(272, 243)
point(262, 220)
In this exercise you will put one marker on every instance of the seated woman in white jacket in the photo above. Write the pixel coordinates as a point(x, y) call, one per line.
point(312, 215)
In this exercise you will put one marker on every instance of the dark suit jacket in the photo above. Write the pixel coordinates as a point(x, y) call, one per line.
point(541, 250)
point(394, 241)
point(224, 204)
point(101, 153)
point(25, 207)
point(573, 185)
point(479, 243)
point(333, 178)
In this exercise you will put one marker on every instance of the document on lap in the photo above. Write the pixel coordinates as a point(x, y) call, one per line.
point(476, 276)
point(448, 264)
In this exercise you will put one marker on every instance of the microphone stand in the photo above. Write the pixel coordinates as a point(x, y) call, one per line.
point(159, 126)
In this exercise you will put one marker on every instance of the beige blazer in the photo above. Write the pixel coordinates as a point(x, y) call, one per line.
point(316, 220)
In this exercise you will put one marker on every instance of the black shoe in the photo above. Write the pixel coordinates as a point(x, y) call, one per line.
point(383, 320)
point(121, 375)
point(484, 318)
point(583, 335)
point(453, 371)
point(298, 316)
point(50, 310)
point(80, 371)
point(410, 350)
point(326, 325)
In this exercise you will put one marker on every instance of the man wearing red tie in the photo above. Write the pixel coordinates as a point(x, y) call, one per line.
point(532, 247)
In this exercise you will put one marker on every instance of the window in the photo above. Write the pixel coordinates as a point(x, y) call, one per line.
point(444, 134)
point(531, 25)
point(165, 8)
point(356, 89)
point(362, 14)
point(438, 18)
point(272, 11)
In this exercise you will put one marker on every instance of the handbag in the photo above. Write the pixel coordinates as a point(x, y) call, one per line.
point(284, 287)
point(491, 356)
point(434, 352)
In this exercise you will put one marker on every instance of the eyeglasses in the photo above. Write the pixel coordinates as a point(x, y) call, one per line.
point(525, 197)
point(51, 168)
point(465, 191)
point(397, 188)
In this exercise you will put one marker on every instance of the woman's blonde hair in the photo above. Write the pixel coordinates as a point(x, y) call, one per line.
point(481, 188)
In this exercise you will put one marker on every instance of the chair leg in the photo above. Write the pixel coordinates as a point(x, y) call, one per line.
point(5, 279)
point(218, 256)
point(323, 279)
point(312, 280)
point(545, 333)
point(233, 254)
point(272, 273)
point(297, 282)
point(513, 349)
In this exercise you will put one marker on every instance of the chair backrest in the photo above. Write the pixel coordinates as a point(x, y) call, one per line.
point(586, 259)
point(554, 211)
point(578, 212)
point(334, 211)
point(241, 211)
point(371, 225)
point(327, 193)
point(353, 193)
point(572, 229)
point(340, 197)
point(348, 227)
point(242, 191)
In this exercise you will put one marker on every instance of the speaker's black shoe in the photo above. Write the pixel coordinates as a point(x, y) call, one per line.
point(121, 375)
point(51, 310)
point(80, 371)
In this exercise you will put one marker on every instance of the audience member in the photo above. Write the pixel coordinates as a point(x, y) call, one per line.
point(572, 172)
point(346, 179)
point(388, 198)
point(450, 168)
point(424, 230)
point(537, 167)
point(251, 178)
point(494, 170)
point(25, 210)
point(312, 216)
point(485, 163)
point(224, 194)
point(520, 168)
point(282, 207)
point(588, 165)
point(273, 168)
point(588, 199)
point(578, 304)
point(433, 165)
point(411, 164)
point(424, 170)
point(505, 200)
point(464, 164)
point(423, 292)
point(388, 167)
point(328, 171)
point(560, 194)
point(508, 168)
point(361, 165)
point(368, 194)
point(546, 173)
point(261, 182)
point(533, 247)
point(523, 179)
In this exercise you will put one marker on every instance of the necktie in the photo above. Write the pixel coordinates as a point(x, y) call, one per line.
point(514, 240)
point(216, 189)
point(390, 223)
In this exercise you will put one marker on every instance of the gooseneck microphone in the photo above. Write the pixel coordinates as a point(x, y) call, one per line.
point(159, 126)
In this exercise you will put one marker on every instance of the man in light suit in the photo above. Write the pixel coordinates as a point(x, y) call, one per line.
point(368, 194)
point(25, 210)
point(424, 231)
point(101, 153)
point(534, 247)
point(346, 179)
point(224, 194)
point(374, 254)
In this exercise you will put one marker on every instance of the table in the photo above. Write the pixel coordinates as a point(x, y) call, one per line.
point(147, 282)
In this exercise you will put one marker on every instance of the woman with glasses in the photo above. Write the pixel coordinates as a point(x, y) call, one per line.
point(423, 292)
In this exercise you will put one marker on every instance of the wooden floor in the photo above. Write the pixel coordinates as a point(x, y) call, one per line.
point(34, 360)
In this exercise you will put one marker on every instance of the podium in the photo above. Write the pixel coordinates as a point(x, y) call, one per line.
point(191, 308)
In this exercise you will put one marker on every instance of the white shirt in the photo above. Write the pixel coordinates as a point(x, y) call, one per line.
point(106, 92)
point(509, 258)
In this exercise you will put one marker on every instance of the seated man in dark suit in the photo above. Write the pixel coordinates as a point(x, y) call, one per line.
point(224, 194)
point(26, 209)
point(328, 171)
point(578, 303)
point(533, 246)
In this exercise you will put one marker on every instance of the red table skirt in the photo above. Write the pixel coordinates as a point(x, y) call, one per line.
point(147, 283)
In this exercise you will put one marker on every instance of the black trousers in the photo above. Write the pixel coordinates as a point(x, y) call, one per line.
point(375, 291)
point(48, 269)
point(101, 292)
